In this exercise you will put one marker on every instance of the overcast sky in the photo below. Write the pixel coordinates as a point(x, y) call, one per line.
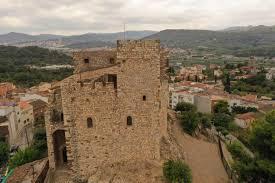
point(82, 16)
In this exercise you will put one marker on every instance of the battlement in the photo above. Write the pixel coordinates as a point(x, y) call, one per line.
point(138, 43)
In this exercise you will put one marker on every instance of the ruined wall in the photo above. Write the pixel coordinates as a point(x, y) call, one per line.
point(53, 122)
point(91, 60)
point(137, 91)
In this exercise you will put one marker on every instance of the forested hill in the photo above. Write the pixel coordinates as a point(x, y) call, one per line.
point(14, 61)
point(31, 55)
point(242, 43)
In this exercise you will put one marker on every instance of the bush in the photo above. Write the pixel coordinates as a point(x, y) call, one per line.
point(205, 121)
point(24, 156)
point(4, 152)
point(222, 120)
point(177, 172)
point(189, 122)
point(185, 107)
point(238, 152)
point(221, 107)
point(40, 140)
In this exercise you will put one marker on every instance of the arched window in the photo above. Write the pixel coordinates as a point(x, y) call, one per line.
point(129, 121)
point(89, 122)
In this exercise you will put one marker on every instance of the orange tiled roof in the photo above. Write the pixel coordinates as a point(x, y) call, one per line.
point(246, 116)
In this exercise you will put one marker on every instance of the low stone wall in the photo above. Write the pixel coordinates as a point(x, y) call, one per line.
point(231, 174)
point(41, 177)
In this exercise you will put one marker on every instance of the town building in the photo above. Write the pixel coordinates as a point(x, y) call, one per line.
point(6, 90)
point(245, 120)
point(17, 124)
point(270, 74)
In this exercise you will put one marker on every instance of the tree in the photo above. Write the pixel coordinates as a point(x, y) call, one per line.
point(222, 120)
point(184, 107)
point(227, 83)
point(262, 167)
point(221, 107)
point(241, 109)
point(40, 140)
point(4, 152)
point(177, 172)
point(190, 121)
point(262, 137)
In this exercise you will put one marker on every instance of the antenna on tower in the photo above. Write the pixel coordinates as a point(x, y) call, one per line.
point(124, 36)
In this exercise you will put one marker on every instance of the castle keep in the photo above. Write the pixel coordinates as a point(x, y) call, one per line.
point(112, 109)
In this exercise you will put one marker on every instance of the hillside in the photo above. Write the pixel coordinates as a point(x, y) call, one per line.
point(49, 40)
point(14, 37)
point(234, 42)
point(14, 61)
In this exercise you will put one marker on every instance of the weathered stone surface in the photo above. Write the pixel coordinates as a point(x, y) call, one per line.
point(132, 84)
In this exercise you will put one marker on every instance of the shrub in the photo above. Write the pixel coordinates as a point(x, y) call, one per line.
point(221, 107)
point(189, 122)
point(177, 172)
point(40, 140)
point(185, 107)
point(222, 120)
point(4, 152)
point(238, 152)
point(24, 156)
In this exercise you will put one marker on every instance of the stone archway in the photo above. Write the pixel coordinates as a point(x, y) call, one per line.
point(60, 152)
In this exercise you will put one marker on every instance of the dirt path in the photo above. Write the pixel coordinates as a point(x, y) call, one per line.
point(202, 157)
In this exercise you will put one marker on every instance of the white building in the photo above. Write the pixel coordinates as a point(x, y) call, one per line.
point(19, 124)
point(182, 96)
point(270, 74)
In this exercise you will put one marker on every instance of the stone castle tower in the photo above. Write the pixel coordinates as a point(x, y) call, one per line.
point(113, 109)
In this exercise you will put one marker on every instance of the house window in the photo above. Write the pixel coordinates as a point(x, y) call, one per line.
point(86, 60)
point(144, 97)
point(89, 122)
point(112, 60)
point(129, 121)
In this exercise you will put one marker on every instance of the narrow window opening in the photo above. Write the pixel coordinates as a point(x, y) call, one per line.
point(144, 98)
point(112, 60)
point(62, 116)
point(113, 78)
point(129, 121)
point(89, 122)
point(86, 60)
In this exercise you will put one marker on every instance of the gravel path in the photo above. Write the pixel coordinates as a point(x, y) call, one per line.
point(202, 157)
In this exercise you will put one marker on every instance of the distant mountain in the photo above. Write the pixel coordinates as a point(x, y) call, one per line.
point(259, 28)
point(105, 37)
point(49, 40)
point(223, 41)
point(93, 44)
point(14, 37)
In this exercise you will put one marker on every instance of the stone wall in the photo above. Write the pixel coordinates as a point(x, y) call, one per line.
point(133, 87)
point(92, 60)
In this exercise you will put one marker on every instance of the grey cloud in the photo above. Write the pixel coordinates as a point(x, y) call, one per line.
point(80, 16)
